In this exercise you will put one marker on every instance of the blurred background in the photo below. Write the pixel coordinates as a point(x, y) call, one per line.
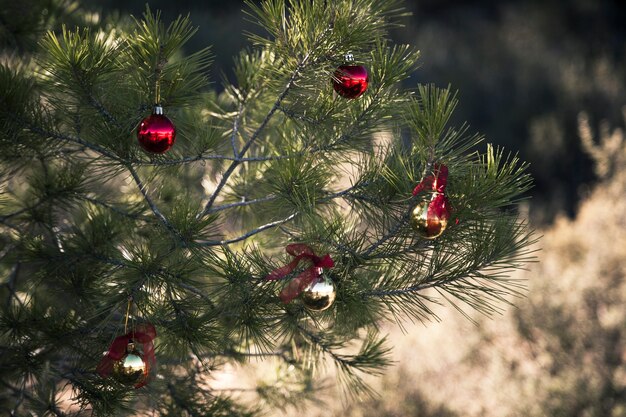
point(546, 79)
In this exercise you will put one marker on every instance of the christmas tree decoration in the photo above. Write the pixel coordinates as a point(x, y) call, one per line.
point(430, 219)
point(320, 294)
point(304, 280)
point(156, 133)
point(132, 368)
point(124, 362)
point(349, 80)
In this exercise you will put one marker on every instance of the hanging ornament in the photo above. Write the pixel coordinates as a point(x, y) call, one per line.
point(320, 294)
point(318, 291)
point(430, 218)
point(156, 133)
point(124, 362)
point(132, 368)
point(127, 364)
point(349, 80)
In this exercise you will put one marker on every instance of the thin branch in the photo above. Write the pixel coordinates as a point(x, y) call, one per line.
point(396, 228)
point(59, 136)
point(179, 402)
point(51, 407)
point(112, 208)
point(351, 130)
point(209, 157)
point(295, 116)
point(103, 111)
point(322, 344)
point(242, 203)
point(345, 192)
point(20, 211)
point(9, 225)
point(464, 273)
point(255, 135)
point(249, 234)
point(197, 292)
point(151, 203)
point(391, 233)
point(401, 291)
point(93, 101)
point(233, 136)
point(11, 283)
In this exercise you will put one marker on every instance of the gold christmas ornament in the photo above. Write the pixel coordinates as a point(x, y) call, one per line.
point(427, 225)
point(320, 294)
point(132, 368)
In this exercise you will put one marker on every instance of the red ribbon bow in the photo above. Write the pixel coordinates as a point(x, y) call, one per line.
point(436, 181)
point(144, 334)
point(439, 205)
point(306, 277)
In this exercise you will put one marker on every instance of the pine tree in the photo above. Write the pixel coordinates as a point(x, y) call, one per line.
point(100, 236)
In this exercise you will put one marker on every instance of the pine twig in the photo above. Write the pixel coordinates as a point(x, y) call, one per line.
point(153, 207)
point(391, 233)
point(11, 285)
point(93, 101)
point(112, 208)
point(396, 228)
point(248, 234)
point(51, 407)
point(255, 135)
point(209, 157)
point(233, 136)
point(242, 204)
point(401, 291)
point(10, 226)
point(74, 139)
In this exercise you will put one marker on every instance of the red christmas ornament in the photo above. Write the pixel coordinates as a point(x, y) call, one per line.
point(125, 362)
point(350, 81)
point(307, 277)
point(156, 133)
point(430, 219)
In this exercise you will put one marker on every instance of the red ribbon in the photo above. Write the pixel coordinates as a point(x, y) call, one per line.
point(439, 205)
point(144, 334)
point(436, 181)
point(306, 277)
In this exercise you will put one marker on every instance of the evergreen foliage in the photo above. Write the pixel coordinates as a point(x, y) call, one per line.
point(89, 219)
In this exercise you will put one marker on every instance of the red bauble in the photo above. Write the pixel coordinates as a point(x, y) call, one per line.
point(156, 133)
point(350, 81)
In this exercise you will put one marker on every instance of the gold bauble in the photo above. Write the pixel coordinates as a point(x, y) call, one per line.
point(320, 294)
point(132, 368)
point(428, 227)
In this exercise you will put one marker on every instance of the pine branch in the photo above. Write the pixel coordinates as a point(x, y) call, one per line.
point(67, 138)
point(103, 111)
point(255, 135)
point(10, 226)
point(11, 283)
point(233, 136)
point(113, 208)
point(390, 234)
point(242, 203)
point(248, 234)
point(49, 407)
point(344, 193)
point(153, 207)
point(190, 159)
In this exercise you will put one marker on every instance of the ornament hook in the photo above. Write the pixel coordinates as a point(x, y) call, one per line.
point(130, 303)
